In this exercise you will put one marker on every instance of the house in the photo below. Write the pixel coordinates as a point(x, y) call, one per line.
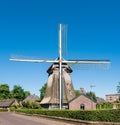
point(100, 100)
point(32, 98)
point(112, 97)
point(82, 102)
point(8, 103)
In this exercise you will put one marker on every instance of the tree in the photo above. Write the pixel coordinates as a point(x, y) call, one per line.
point(42, 91)
point(92, 96)
point(34, 105)
point(18, 93)
point(77, 92)
point(118, 88)
point(4, 91)
point(27, 93)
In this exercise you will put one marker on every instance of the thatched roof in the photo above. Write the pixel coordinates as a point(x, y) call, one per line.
point(6, 103)
point(32, 98)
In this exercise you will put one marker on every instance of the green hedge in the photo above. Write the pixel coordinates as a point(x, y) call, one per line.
point(94, 115)
point(106, 105)
point(3, 110)
point(33, 105)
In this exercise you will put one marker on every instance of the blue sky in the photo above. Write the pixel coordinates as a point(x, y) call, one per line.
point(30, 28)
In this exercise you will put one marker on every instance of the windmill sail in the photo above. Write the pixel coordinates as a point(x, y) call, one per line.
point(59, 87)
point(64, 39)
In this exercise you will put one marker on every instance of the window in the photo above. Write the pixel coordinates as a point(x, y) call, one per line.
point(82, 106)
point(110, 98)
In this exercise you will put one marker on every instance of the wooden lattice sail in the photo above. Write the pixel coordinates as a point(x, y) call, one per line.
point(59, 88)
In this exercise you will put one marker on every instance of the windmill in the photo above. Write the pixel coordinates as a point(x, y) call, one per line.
point(61, 61)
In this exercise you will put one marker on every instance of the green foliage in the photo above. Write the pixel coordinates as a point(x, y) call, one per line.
point(27, 93)
point(14, 107)
point(106, 105)
point(26, 104)
point(4, 91)
point(3, 110)
point(77, 92)
point(35, 105)
point(92, 96)
point(42, 91)
point(29, 105)
point(18, 93)
point(93, 115)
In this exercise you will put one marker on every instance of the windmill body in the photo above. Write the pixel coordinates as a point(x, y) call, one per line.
point(59, 88)
point(52, 96)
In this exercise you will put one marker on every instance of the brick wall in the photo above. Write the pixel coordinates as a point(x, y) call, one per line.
point(112, 97)
point(76, 103)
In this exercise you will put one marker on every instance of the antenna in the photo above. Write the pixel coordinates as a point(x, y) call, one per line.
point(91, 86)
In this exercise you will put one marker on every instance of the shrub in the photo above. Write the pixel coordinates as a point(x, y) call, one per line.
point(93, 115)
point(31, 105)
point(106, 105)
point(14, 107)
point(4, 110)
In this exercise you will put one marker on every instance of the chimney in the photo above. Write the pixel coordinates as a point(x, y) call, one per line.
point(82, 91)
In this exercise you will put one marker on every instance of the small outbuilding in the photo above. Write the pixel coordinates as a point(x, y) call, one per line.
point(32, 98)
point(82, 102)
point(7, 103)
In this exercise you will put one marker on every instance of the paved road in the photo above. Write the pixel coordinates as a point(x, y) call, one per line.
point(17, 119)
